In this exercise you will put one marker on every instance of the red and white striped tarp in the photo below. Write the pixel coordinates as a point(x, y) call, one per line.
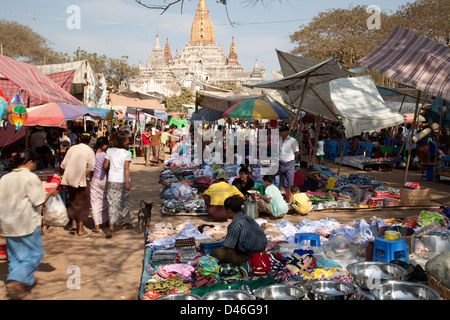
point(36, 84)
point(62, 79)
point(413, 60)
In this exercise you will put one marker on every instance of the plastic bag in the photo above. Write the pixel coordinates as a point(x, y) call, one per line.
point(56, 212)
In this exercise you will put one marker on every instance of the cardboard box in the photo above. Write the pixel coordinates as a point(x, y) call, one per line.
point(391, 202)
point(381, 194)
point(376, 202)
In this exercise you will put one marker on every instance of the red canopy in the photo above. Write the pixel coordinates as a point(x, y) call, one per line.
point(36, 84)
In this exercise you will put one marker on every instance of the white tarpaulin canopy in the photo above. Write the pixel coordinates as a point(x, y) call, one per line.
point(319, 88)
point(361, 107)
point(305, 83)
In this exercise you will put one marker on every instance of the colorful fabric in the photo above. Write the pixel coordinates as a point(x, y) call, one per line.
point(25, 256)
point(119, 204)
point(99, 200)
point(328, 273)
point(21, 194)
point(257, 109)
point(155, 153)
point(208, 265)
point(297, 263)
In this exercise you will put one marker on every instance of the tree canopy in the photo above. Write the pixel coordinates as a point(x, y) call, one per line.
point(22, 43)
point(344, 33)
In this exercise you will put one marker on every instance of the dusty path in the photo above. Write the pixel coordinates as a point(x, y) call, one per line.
point(110, 269)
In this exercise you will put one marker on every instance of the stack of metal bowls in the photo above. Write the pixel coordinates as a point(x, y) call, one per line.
point(280, 292)
point(371, 273)
point(228, 295)
point(179, 296)
point(329, 290)
point(401, 290)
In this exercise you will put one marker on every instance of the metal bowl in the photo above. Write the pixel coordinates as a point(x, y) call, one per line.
point(179, 296)
point(279, 292)
point(228, 295)
point(370, 273)
point(329, 290)
point(401, 290)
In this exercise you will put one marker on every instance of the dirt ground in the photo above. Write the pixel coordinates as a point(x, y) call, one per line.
point(111, 269)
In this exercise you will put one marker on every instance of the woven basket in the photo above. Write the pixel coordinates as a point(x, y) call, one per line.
point(439, 287)
point(413, 197)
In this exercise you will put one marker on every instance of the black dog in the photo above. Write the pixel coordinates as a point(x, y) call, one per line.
point(144, 215)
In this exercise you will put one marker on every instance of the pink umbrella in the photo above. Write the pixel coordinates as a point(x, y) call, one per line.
point(55, 114)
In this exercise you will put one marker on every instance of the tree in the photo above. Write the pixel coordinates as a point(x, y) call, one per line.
point(115, 70)
point(429, 18)
point(175, 102)
point(342, 33)
point(22, 43)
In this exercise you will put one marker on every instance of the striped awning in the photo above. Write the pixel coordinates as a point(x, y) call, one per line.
point(62, 79)
point(37, 85)
point(413, 60)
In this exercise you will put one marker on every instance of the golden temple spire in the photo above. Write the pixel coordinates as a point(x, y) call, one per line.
point(232, 57)
point(202, 28)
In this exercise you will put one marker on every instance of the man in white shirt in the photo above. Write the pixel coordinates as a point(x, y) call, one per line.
point(288, 153)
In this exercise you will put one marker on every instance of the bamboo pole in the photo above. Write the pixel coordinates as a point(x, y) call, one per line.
point(342, 155)
point(438, 141)
point(317, 129)
point(411, 134)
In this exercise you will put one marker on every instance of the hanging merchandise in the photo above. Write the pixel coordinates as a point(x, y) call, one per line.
point(17, 115)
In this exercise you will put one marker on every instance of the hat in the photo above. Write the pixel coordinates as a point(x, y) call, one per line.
point(222, 175)
point(284, 128)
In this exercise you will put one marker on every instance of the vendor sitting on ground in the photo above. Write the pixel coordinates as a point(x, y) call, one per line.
point(244, 236)
point(272, 202)
point(244, 183)
point(215, 196)
point(300, 201)
point(305, 180)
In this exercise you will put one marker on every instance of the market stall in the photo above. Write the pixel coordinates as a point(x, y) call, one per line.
point(178, 265)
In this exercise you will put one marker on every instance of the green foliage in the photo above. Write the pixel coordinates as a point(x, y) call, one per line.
point(174, 103)
point(115, 70)
point(22, 43)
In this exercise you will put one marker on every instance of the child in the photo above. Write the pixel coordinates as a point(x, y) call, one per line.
point(117, 163)
point(300, 201)
point(273, 201)
point(320, 153)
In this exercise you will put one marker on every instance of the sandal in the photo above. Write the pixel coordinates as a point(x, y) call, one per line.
point(127, 226)
point(109, 234)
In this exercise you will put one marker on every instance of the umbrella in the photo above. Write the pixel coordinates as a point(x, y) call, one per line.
point(257, 109)
point(105, 114)
point(55, 113)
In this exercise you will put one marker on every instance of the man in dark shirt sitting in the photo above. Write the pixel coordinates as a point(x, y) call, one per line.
point(244, 236)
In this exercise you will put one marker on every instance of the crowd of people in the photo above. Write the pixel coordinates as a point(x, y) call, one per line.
point(94, 164)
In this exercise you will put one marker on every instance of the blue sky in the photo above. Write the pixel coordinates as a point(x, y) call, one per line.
point(123, 27)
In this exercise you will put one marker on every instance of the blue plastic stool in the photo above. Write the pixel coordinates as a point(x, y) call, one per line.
point(388, 250)
point(314, 239)
point(429, 173)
